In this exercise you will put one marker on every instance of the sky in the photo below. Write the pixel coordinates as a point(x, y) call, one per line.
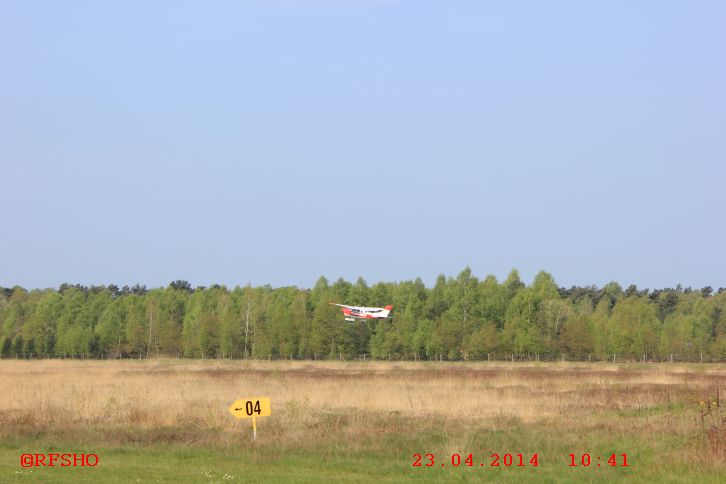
point(272, 142)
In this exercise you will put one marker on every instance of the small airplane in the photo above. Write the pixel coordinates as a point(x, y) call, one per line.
point(357, 312)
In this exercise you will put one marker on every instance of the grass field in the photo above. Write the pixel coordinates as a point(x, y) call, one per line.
point(168, 421)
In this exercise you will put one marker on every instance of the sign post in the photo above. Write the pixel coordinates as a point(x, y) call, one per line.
point(251, 408)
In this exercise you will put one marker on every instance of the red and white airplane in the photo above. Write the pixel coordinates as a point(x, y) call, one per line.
point(358, 312)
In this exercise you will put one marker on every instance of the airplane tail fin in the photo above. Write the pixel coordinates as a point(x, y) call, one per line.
point(387, 310)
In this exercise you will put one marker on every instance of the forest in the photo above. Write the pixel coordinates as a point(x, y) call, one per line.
point(461, 318)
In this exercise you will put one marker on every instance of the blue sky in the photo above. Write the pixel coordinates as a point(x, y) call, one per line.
point(277, 141)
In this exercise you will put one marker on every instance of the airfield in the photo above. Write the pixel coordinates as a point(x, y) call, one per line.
point(168, 421)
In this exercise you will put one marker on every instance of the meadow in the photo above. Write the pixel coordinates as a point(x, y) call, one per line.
point(168, 421)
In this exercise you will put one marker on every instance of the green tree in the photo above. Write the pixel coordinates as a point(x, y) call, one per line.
point(634, 323)
point(232, 325)
point(359, 294)
point(481, 342)
point(493, 300)
point(513, 284)
point(576, 337)
point(137, 325)
point(436, 303)
point(111, 330)
point(73, 339)
point(40, 329)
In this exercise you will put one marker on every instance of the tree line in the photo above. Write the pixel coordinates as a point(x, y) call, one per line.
point(461, 318)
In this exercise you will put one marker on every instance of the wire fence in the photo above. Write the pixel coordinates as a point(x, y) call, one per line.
point(440, 357)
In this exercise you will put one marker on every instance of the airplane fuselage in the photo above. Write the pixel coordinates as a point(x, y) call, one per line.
point(360, 312)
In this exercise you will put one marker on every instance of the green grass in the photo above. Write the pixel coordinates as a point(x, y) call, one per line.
point(387, 458)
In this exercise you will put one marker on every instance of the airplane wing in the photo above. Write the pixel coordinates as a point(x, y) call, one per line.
point(342, 305)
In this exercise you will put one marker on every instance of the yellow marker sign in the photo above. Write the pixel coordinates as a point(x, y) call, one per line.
point(251, 407)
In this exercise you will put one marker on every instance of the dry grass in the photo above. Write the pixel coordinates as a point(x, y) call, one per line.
point(340, 419)
point(187, 401)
